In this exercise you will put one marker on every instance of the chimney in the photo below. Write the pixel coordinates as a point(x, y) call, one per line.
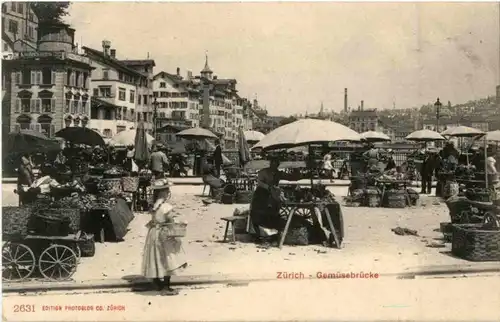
point(189, 75)
point(362, 105)
point(345, 99)
point(106, 45)
point(113, 53)
point(178, 71)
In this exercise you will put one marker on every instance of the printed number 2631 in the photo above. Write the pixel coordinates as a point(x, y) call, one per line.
point(22, 308)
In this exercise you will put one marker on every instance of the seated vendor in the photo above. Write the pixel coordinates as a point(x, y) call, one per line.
point(265, 205)
point(397, 173)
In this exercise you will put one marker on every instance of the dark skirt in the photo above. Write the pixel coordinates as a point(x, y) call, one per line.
point(265, 211)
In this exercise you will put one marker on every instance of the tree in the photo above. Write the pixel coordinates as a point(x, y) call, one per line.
point(51, 11)
point(287, 120)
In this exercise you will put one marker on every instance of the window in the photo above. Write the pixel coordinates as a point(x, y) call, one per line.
point(96, 92)
point(25, 105)
point(26, 77)
point(47, 129)
point(163, 85)
point(46, 105)
point(31, 17)
point(105, 74)
point(77, 79)
point(105, 91)
point(5, 47)
point(122, 94)
point(46, 77)
point(107, 133)
point(145, 99)
point(132, 96)
point(67, 106)
point(139, 99)
point(85, 80)
point(30, 32)
point(20, 7)
point(155, 94)
point(13, 6)
point(74, 108)
point(13, 26)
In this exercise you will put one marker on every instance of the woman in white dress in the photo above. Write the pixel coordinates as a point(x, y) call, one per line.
point(163, 255)
point(328, 166)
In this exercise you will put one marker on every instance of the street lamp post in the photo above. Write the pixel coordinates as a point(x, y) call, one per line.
point(438, 113)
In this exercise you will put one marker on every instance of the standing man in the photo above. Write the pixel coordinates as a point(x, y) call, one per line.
point(159, 162)
point(217, 158)
point(25, 177)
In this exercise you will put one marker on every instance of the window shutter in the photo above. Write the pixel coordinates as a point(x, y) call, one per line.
point(72, 79)
point(17, 108)
point(32, 127)
point(79, 109)
point(38, 78)
point(80, 80)
point(38, 104)
point(53, 79)
point(52, 130)
point(32, 105)
point(33, 77)
point(53, 105)
point(38, 127)
point(17, 127)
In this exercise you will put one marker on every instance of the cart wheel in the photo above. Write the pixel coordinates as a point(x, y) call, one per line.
point(57, 262)
point(18, 262)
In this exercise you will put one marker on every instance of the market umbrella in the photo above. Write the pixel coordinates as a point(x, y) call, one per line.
point(305, 132)
point(372, 136)
point(81, 135)
point(28, 141)
point(424, 136)
point(141, 154)
point(196, 133)
point(243, 149)
point(253, 136)
point(463, 131)
point(493, 136)
point(128, 137)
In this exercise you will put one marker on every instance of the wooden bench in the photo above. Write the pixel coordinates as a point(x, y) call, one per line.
point(230, 221)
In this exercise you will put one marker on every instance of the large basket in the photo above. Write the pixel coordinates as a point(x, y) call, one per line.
point(475, 242)
point(174, 230)
point(74, 216)
point(113, 185)
point(130, 184)
point(372, 198)
point(396, 198)
point(15, 221)
point(297, 236)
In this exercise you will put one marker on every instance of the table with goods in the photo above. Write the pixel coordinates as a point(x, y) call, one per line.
point(46, 236)
point(312, 216)
point(380, 190)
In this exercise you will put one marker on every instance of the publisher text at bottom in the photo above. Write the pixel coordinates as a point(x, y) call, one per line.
point(326, 275)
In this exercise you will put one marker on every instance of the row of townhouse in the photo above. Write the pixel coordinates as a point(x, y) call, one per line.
point(48, 83)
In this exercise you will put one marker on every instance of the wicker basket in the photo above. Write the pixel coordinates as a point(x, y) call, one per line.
point(113, 185)
point(87, 245)
point(244, 196)
point(174, 230)
point(396, 198)
point(297, 236)
point(447, 229)
point(451, 188)
point(475, 242)
point(130, 184)
point(15, 221)
point(372, 198)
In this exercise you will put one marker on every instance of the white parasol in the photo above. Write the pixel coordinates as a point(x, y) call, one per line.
point(306, 131)
point(373, 136)
point(493, 136)
point(424, 136)
point(127, 138)
point(253, 136)
point(196, 133)
point(463, 131)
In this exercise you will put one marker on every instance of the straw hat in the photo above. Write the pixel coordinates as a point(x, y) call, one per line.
point(160, 184)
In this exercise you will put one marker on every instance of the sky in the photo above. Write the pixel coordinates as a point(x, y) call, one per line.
point(294, 56)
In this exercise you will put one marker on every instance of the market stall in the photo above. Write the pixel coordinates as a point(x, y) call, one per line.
point(311, 133)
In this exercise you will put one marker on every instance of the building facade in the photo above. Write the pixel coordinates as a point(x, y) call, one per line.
point(48, 89)
point(177, 98)
point(120, 93)
point(20, 28)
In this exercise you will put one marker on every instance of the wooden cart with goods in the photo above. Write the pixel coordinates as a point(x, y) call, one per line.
point(27, 250)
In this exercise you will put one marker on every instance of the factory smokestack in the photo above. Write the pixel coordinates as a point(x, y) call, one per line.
point(345, 100)
point(362, 105)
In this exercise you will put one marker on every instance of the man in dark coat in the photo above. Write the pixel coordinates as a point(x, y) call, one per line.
point(217, 157)
point(428, 168)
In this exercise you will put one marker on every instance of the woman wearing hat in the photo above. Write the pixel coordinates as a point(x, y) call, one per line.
point(265, 205)
point(163, 255)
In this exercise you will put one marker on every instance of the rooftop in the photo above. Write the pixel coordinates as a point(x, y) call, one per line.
point(111, 61)
point(138, 62)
